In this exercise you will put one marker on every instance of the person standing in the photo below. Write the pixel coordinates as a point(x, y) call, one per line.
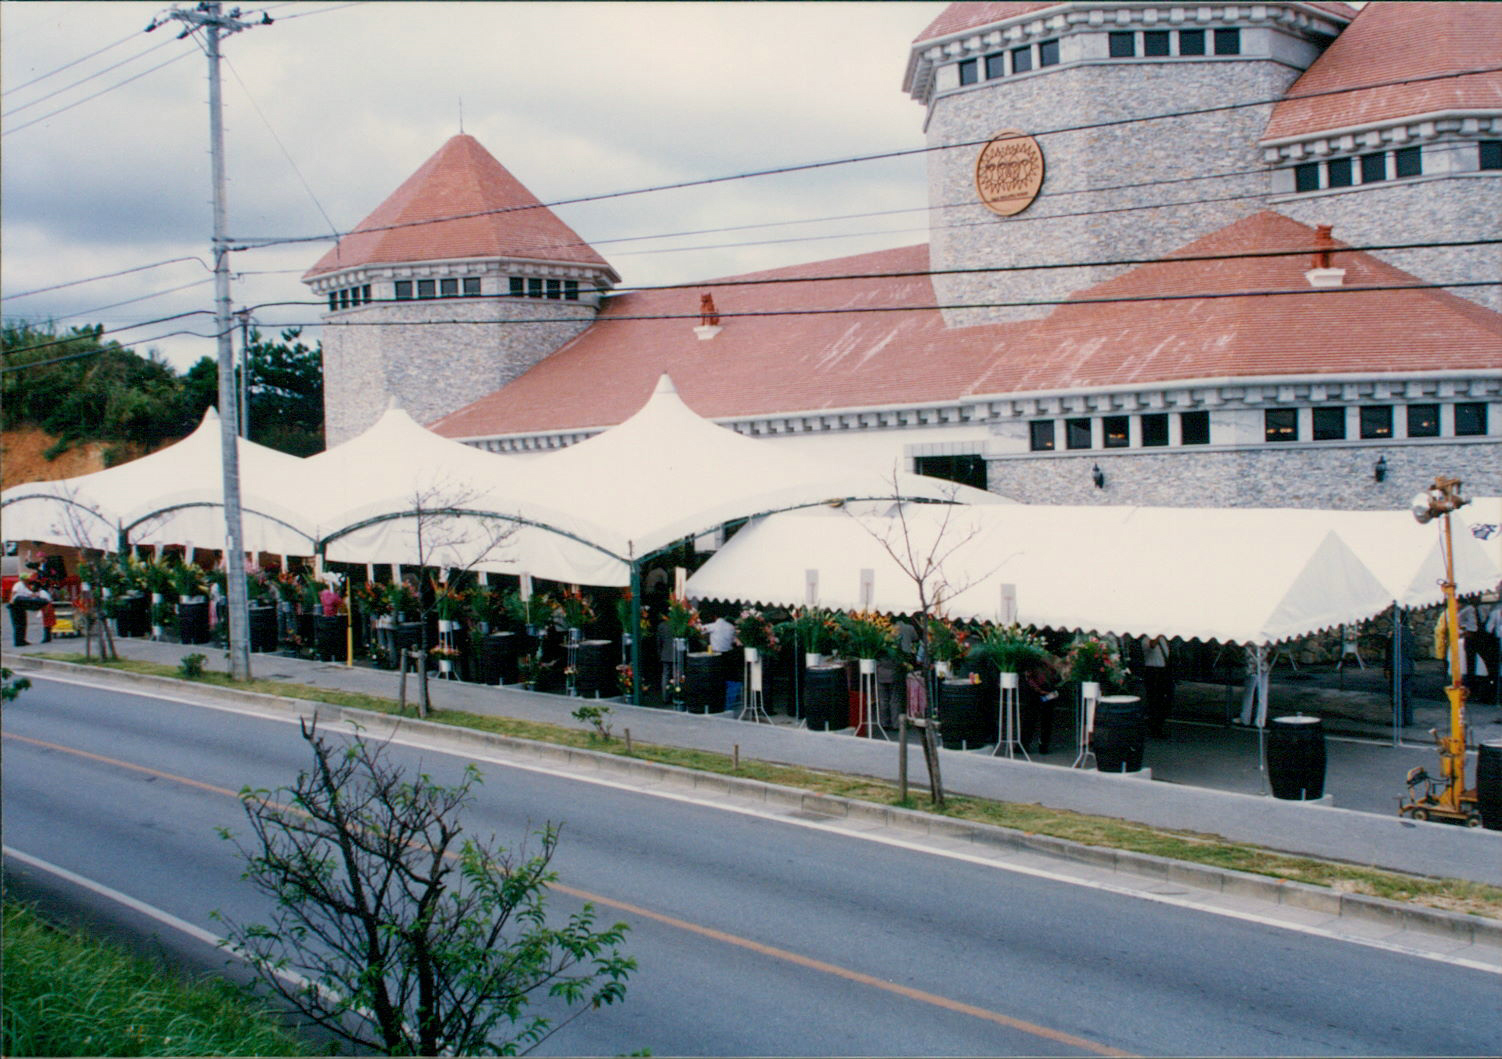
point(24, 596)
point(1468, 622)
point(1157, 683)
point(1254, 687)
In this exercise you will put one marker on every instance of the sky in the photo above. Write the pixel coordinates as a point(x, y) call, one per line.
point(333, 105)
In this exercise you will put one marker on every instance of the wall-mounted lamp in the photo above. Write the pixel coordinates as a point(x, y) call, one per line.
point(1379, 472)
point(1098, 477)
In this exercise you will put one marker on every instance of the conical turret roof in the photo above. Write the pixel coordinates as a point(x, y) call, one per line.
point(461, 203)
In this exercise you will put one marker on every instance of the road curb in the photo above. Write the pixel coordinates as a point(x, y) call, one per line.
point(1398, 915)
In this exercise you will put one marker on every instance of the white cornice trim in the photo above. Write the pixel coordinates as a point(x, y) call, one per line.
point(464, 266)
point(1416, 128)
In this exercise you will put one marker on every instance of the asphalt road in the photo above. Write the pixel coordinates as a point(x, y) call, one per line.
point(754, 937)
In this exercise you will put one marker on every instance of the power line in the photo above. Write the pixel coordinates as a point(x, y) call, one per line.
point(107, 275)
point(96, 95)
point(84, 80)
point(69, 65)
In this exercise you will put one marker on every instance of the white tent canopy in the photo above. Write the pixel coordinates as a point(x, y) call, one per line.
point(172, 496)
point(1231, 575)
point(1482, 519)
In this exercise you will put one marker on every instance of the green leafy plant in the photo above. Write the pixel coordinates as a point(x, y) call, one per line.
point(947, 641)
point(597, 716)
point(531, 612)
point(449, 601)
point(753, 629)
point(683, 619)
point(190, 667)
point(1009, 647)
point(532, 669)
point(815, 629)
point(866, 634)
point(187, 580)
point(576, 609)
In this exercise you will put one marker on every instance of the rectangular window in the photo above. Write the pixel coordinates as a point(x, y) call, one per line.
point(365, 294)
point(996, 65)
point(1376, 421)
point(344, 299)
point(969, 72)
point(426, 288)
point(1329, 424)
point(1194, 428)
point(1280, 424)
point(1374, 167)
point(1077, 433)
point(1048, 53)
point(534, 287)
point(1408, 162)
point(333, 300)
point(1470, 419)
point(1155, 430)
point(403, 290)
point(1123, 45)
point(1423, 420)
point(1022, 60)
point(517, 288)
point(1228, 42)
point(570, 290)
point(967, 470)
point(1040, 435)
point(1191, 42)
point(1489, 154)
point(1114, 430)
point(1155, 42)
point(471, 286)
point(555, 290)
point(448, 288)
point(1306, 177)
point(1340, 173)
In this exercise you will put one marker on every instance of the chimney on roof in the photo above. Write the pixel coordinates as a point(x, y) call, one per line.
point(1320, 273)
point(709, 318)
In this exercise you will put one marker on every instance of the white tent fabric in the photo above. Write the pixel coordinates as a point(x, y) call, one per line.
point(1482, 519)
point(172, 496)
point(1231, 575)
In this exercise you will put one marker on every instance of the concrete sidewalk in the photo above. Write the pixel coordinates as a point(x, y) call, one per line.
point(1204, 777)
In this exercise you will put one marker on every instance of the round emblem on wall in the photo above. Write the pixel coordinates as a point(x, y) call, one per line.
point(1009, 172)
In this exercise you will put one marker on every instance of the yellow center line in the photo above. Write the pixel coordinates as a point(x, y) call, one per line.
point(772, 951)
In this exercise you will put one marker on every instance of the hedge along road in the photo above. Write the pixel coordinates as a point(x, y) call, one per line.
point(753, 936)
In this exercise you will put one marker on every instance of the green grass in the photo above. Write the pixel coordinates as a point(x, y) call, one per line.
point(68, 994)
point(1452, 894)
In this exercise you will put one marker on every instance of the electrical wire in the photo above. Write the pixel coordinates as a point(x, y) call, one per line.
point(96, 95)
point(107, 275)
point(84, 80)
point(69, 65)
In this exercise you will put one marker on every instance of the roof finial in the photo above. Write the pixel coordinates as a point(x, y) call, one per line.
point(461, 115)
point(709, 318)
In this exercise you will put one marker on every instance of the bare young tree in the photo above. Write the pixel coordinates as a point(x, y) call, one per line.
point(396, 934)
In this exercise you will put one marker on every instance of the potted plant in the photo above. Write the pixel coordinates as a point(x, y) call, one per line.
point(447, 655)
point(1010, 648)
point(449, 603)
point(868, 636)
point(157, 576)
point(1092, 660)
point(755, 632)
point(529, 613)
point(948, 643)
point(532, 669)
point(815, 630)
point(576, 609)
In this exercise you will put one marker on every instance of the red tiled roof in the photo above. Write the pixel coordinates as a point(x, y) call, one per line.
point(496, 217)
point(957, 18)
point(1090, 342)
point(901, 353)
point(1393, 41)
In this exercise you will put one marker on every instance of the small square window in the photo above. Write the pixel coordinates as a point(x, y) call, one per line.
point(1329, 424)
point(516, 286)
point(1306, 177)
point(365, 294)
point(1374, 167)
point(403, 290)
point(1339, 173)
point(1155, 42)
point(1423, 420)
point(555, 290)
point(1155, 430)
point(570, 290)
point(1115, 431)
point(1489, 154)
point(1228, 42)
point(969, 72)
point(1123, 45)
point(448, 288)
point(426, 288)
point(1191, 42)
point(1048, 53)
point(1022, 60)
point(996, 65)
point(1194, 428)
point(1280, 424)
point(1408, 162)
point(1470, 419)
point(1077, 433)
point(534, 287)
point(471, 286)
point(1040, 435)
point(333, 300)
point(1376, 421)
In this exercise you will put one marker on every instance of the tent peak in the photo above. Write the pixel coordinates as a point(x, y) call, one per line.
point(665, 385)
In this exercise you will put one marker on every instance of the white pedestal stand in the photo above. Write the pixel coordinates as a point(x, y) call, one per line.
point(1008, 721)
point(753, 701)
point(446, 629)
point(571, 662)
point(1089, 696)
point(870, 702)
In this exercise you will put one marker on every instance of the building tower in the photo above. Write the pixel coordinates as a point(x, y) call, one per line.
point(1095, 172)
point(456, 284)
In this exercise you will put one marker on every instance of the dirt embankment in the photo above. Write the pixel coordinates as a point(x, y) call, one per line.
point(22, 458)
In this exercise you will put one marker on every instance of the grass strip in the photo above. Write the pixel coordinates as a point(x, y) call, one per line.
point(68, 994)
point(1456, 895)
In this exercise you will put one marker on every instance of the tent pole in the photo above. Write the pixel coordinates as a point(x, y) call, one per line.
point(1397, 677)
point(636, 604)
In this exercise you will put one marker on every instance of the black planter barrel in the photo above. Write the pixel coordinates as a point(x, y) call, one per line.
point(133, 616)
point(1296, 758)
point(1489, 784)
point(329, 636)
point(1120, 733)
point(967, 715)
point(703, 683)
point(262, 629)
point(193, 622)
point(408, 636)
point(305, 630)
point(826, 698)
point(595, 662)
point(498, 654)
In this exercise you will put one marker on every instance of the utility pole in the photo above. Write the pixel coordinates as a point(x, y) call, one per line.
point(244, 317)
point(215, 22)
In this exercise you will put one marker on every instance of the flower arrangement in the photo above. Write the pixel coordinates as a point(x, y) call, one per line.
point(866, 634)
point(1010, 647)
point(532, 669)
point(308, 590)
point(575, 608)
point(674, 690)
point(449, 601)
point(626, 611)
point(156, 577)
point(399, 598)
point(533, 611)
point(1091, 658)
point(443, 650)
point(815, 629)
point(683, 619)
point(187, 581)
point(626, 678)
point(373, 598)
point(754, 630)
point(947, 641)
